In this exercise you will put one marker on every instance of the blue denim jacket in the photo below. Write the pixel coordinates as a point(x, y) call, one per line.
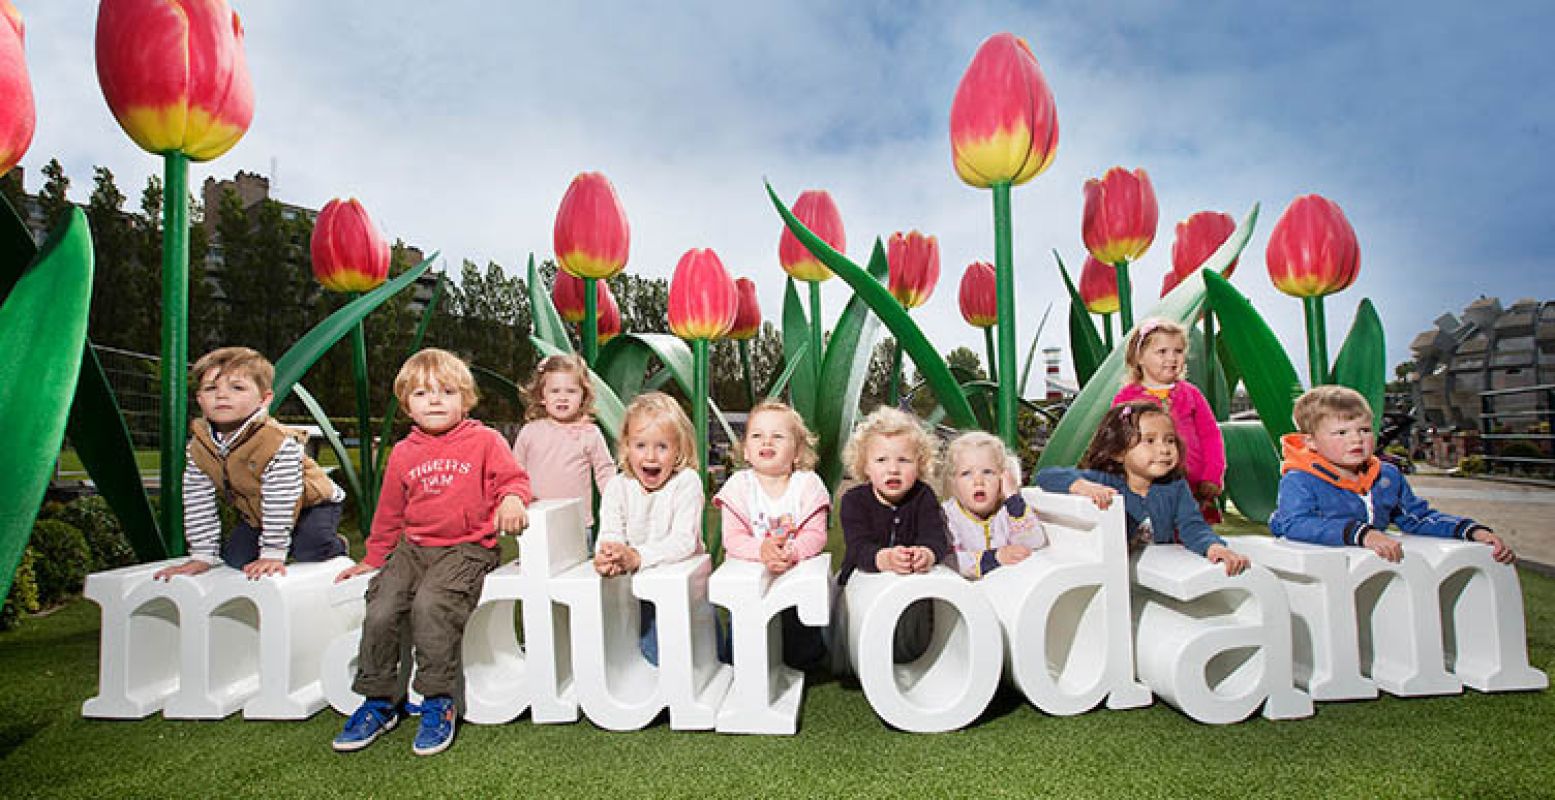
point(1170, 509)
point(1311, 509)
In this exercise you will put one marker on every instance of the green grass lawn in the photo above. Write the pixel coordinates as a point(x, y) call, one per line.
point(1470, 745)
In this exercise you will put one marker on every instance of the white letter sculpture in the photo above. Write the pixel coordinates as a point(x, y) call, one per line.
point(764, 697)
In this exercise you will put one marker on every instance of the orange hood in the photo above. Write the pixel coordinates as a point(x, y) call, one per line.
point(1300, 457)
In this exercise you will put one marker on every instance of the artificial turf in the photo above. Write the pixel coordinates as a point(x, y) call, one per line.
point(1472, 745)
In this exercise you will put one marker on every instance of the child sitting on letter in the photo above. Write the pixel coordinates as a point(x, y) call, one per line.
point(286, 505)
point(1156, 355)
point(1136, 453)
point(775, 510)
point(560, 446)
point(893, 522)
point(651, 513)
point(990, 523)
point(1335, 492)
point(449, 488)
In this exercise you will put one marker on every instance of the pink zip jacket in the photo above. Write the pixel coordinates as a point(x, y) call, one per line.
point(809, 530)
point(1204, 452)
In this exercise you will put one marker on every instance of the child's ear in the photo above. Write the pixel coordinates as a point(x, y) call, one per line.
point(264, 402)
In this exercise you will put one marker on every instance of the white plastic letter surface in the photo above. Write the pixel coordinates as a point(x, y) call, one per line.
point(764, 697)
point(1215, 646)
point(950, 685)
point(1064, 611)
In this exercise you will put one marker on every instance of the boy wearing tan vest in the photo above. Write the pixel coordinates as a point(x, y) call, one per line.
point(286, 504)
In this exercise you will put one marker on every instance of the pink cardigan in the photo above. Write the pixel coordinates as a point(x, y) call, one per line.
point(739, 539)
point(1204, 452)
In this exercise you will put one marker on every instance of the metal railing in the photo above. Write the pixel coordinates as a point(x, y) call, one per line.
point(1517, 428)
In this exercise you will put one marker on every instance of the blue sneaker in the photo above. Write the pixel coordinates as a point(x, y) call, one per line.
point(438, 720)
point(373, 718)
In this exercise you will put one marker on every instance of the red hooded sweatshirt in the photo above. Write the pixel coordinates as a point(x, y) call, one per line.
point(443, 490)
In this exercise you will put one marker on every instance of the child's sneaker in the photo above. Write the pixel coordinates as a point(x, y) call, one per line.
point(373, 718)
point(438, 719)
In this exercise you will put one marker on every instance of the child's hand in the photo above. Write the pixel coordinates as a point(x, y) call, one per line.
point(352, 571)
point(260, 567)
point(191, 567)
point(894, 559)
point(1012, 554)
point(607, 559)
point(1501, 552)
point(921, 559)
point(1205, 492)
point(630, 560)
point(1235, 562)
point(1099, 494)
point(1389, 548)
point(511, 516)
point(776, 555)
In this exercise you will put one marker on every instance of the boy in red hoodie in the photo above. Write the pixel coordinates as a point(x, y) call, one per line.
point(449, 488)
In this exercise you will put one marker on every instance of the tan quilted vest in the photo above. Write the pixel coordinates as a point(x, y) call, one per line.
point(237, 475)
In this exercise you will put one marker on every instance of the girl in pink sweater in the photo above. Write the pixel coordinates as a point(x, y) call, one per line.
point(560, 446)
point(1158, 364)
point(774, 510)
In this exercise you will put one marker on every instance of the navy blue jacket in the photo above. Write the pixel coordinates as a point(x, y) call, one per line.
point(1311, 509)
point(1170, 508)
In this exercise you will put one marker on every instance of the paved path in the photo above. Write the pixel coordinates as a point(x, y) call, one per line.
point(1524, 515)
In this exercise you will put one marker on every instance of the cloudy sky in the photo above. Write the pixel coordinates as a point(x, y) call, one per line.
point(460, 126)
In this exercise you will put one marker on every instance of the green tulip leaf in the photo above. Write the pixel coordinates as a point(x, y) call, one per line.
point(97, 432)
point(43, 324)
point(1257, 355)
point(1084, 341)
point(917, 346)
point(315, 343)
point(387, 431)
point(844, 371)
point(1182, 306)
point(547, 322)
point(1362, 362)
point(796, 339)
point(623, 361)
point(17, 249)
point(1198, 371)
point(497, 383)
point(1031, 352)
point(347, 468)
point(1253, 481)
point(801, 352)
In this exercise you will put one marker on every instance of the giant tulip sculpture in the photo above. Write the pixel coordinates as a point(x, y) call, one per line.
point(567, 296)
point(592, 241)
point(912, 263)
point(747, 322)
point(1313, 253)
point(980, 305)
point(174, 75)
point(20, 118)
point(702, 305)
point(816, 209)
point(1118, 227)
point(1099, 291)
point(1003, 132)
point(1198, 237)
point(349, 255)
point(609, 315)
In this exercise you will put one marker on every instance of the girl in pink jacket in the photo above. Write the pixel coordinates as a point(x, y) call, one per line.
point(1158, 363)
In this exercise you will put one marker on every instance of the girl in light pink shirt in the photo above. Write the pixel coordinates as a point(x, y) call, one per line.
point(560, 446)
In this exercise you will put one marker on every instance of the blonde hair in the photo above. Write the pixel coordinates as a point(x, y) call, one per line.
point(534, 391)
point(966, 443)
point(657, 408)
point(1323, 402)
point(887, 421)
point(1141, 337)
point(234, 361)
point(432, 364)
point(804, 441)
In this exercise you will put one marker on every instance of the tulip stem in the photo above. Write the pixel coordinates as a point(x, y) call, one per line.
point(993, 372)
point(1106, 331)
point(590, 321)
point(699, 423)
point(175, 346)
point(893, 391)
point(1217, 402)
point(1317, 340)
point(815, 336)
point(1004, 293)
point(364, 446)
point(745, 364)
point(1125, 301)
